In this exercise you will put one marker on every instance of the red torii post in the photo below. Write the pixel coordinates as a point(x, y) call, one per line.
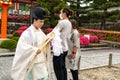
point(5, 4)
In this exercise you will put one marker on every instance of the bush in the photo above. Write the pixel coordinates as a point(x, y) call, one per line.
point(8, 44)
point(21, 29)
point(15, 38)
point(94, 39)
point(102, 34)
point(84, 41)
point(15, 34)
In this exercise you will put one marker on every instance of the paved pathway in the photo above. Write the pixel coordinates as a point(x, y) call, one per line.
point(89, 59)
point(5, 66)
point(97, 58)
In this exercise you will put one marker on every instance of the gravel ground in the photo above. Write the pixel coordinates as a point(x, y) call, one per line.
point(101, 73)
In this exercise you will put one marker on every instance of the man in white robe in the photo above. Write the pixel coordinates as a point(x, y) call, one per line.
point(28, 46)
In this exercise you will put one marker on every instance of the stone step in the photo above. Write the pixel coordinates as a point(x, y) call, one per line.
point(4, 50)
point(94, 48)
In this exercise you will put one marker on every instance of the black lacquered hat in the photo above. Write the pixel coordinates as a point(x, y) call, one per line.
point(38, 13)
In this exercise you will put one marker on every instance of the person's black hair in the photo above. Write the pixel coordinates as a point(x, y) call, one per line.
point(67, 11)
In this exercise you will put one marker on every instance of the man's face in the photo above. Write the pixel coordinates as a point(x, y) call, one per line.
point(39, 23)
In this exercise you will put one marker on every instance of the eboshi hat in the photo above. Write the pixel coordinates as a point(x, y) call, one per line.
point(38, 13)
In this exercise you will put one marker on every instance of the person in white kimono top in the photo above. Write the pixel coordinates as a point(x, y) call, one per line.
point(28, 46)
point(73, 57)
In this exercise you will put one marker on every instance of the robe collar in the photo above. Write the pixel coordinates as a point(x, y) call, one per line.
point(34, 29)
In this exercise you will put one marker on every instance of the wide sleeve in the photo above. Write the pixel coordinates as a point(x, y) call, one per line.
point(24, 53)
point(60, 25)
point(76, 40)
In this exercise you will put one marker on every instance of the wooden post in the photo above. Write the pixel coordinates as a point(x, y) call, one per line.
point(4, 22)
point(110, 61)
point(5, 5)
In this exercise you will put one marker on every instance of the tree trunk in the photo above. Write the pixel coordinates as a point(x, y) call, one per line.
point(77, 13)
point(103, 20)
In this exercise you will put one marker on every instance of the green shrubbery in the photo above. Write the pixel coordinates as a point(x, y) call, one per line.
point(15, 38)
point(15, 34)
point(12, 42)
point(8, 44)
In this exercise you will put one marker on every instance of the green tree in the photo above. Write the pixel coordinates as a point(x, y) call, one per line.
point(97, 11)
point(75, 5)
point(103, 5)
point(113, 16)
point(53, 8)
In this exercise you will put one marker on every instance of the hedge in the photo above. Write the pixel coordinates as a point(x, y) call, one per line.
point(102, 34)
point(8, 44)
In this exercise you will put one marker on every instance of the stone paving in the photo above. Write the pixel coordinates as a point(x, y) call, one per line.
point(5, 66)
point(97, 58)
point(89, 59)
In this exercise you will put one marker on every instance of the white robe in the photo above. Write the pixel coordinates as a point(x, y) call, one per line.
point(28, 44)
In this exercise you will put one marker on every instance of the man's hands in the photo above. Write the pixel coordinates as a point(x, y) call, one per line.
point(38, 51)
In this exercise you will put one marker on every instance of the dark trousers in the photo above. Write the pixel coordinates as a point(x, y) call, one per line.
point(60, 67)
point(74, 74)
